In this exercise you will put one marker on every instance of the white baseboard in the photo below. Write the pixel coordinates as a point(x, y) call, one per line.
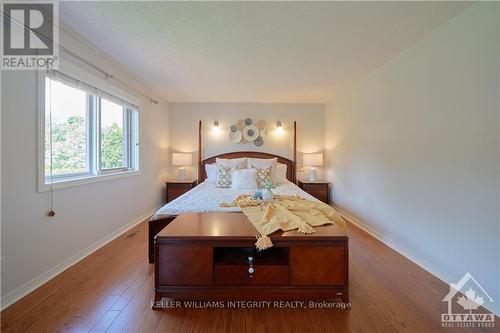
point(30, 286)
point(401, 250)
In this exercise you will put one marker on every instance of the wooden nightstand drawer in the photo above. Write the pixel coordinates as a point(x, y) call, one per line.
point(319, 190)
point(177, 188)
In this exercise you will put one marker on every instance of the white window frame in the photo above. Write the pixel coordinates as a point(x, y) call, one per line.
point(95, 174)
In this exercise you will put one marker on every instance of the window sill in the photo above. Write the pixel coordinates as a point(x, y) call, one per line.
point(61, 184)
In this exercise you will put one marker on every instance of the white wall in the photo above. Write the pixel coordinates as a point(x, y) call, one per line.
point(34, 244)
point(413, 150)
point(184, 128)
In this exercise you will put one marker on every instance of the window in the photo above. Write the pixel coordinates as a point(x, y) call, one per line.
point(68, 134)
point(87, 132)
point(113, 144)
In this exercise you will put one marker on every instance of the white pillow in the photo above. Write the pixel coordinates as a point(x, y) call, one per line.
point(280, 174)
point(233, 163)
point(262, 163)
point(244, 179)
point(211, 171)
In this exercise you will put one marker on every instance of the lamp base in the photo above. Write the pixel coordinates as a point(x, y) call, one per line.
point(313, 174)
point(181, 174)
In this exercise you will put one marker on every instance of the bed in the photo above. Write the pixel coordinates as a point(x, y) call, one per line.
point(206, 197)
point(204, 251)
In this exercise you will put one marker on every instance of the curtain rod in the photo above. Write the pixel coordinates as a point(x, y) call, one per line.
point(106, 74)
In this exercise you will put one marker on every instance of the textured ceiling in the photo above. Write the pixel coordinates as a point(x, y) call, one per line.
point(253, 51)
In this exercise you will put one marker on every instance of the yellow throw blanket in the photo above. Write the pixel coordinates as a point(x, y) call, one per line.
point(284, 212)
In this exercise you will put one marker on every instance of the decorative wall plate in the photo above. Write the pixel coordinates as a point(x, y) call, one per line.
point(240, 124)
point(261, 124)
point(246, 130)
point(259, 141)
point(235, 137)
point(250, 132)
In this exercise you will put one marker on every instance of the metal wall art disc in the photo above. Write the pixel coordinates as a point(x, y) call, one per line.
point(250, 132)
point(235, 137)
point(261, 124)
point(248, 121)
point(234, 128)
point(259, 141)
point(240, 124)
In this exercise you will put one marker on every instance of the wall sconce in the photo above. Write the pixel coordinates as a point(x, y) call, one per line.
point(215, 127)
point(279, 127)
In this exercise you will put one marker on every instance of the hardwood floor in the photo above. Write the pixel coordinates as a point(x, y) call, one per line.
point(111, 291)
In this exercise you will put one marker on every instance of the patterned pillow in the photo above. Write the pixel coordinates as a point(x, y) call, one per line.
point(224, 177)
point(263, 176)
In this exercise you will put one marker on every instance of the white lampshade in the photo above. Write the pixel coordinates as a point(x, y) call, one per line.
point(313, 159)
point(182, 159)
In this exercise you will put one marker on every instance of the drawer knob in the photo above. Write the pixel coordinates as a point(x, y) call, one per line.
point(251, 270)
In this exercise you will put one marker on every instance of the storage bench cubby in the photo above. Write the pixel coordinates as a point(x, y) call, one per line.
point(247, 266)
point(239, 255)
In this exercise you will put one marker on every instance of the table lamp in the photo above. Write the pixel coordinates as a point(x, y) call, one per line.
point(313, 160)
point(182, 160)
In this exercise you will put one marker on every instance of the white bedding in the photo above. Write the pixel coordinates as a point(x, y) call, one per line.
point(206, 198)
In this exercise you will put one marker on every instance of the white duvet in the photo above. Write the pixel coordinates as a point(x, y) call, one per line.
point(207, 198)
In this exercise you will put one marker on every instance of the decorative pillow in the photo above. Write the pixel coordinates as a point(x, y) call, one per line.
point(264, 163)
point(280, 174)
point(233, 163)
point(224, 179)
point(245, 179)
point(211, 171)
point(263, 176)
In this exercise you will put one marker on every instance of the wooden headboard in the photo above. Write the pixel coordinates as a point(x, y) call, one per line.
point(291, 170)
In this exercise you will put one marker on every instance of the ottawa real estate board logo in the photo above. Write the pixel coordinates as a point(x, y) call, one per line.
point(30, 35)
point(467, 302)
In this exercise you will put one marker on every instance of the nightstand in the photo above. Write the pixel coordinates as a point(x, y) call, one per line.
point(318, 189)
point(176, 188)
